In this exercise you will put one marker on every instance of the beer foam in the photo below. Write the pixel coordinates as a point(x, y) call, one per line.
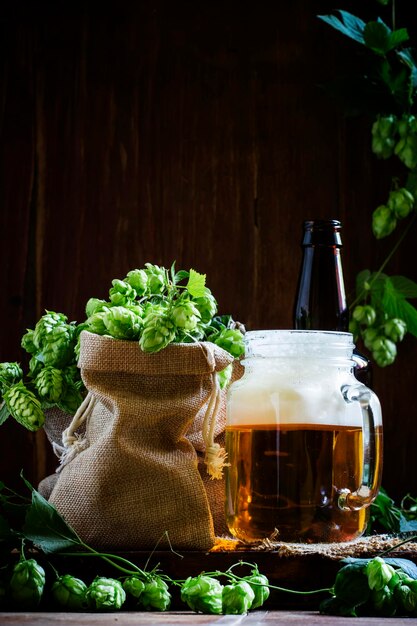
point(269, 399)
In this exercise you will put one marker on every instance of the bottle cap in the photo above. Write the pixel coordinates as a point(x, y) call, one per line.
point(322, 233)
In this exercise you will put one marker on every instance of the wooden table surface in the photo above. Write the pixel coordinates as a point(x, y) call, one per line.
point(178, 618)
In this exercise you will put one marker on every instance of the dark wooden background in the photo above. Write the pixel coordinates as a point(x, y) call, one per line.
point(189, 131)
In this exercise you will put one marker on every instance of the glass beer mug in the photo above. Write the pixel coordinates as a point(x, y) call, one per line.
point(303, 438)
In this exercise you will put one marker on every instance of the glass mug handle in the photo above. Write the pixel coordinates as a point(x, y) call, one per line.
point(369, 484)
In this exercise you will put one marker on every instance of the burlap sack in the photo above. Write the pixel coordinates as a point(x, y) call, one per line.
point(134, 475)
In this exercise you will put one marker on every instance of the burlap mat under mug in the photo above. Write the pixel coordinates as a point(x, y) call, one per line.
point(135, 475)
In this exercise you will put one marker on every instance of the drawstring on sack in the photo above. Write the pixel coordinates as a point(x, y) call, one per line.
point(215, 455)
point(73, 443)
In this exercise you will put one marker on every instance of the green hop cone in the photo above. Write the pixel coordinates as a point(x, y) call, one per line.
point(406, 150)
point(354, 328)
point(384, 351)
point(351, 585)
point(185, 315)
point(69, 592)
point(384, 602)
point(259, 584)
point(156, 279)
point(10, 373)
point(49, 384)
point(203, 594)
point(237, 598)
point(405, 598)
point(155, 595)
point(121, 323)
point(370, 335)
point(383, 136)
point(138, 279)
point(23, 405)
point(27, 342)
point(383, 221)
point(94, 305)
point(379, 573)
point(225, 376)
point(27, 584)
point(35, 367)
point(230, 340)
point(401, 202)
point(158, 329)
point(71, 399)
point(364, 314)
point(207, 305)
point(121, 293)
point(133, 586)
point(105, 594)
point(395, 329)
point(54, 340)
point(96, 322)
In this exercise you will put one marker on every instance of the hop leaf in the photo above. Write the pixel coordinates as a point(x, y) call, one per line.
point(196, 284)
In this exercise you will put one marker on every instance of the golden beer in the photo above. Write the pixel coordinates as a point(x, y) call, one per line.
point(285, 480)
point(303, 440)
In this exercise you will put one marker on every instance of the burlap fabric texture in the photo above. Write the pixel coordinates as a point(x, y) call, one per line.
point(134, 474)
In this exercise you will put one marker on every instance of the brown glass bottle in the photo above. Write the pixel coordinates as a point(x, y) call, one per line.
point(320, 302)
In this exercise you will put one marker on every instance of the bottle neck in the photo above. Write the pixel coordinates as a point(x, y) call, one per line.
point(321, 300)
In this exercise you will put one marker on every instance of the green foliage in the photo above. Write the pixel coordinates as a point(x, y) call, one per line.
point(382, 314)
point(385, 89)
point(52, 379)
point(374, 587)
point(151, 305)
point(386, 516)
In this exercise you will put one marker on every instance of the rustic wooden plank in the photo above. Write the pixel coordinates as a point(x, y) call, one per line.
point(295, 618)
